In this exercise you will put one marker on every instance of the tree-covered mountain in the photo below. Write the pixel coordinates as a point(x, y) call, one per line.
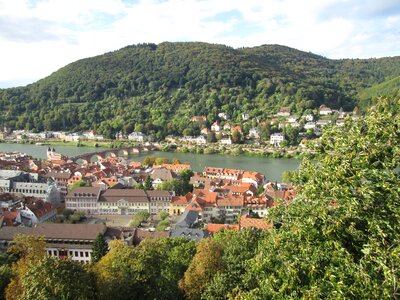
point(158, 88)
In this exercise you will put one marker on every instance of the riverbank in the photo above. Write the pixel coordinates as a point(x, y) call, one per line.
point(249, 150)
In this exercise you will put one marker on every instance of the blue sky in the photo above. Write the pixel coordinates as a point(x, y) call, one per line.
point(37, 37)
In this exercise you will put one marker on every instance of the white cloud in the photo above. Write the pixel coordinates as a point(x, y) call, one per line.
point(38, 37)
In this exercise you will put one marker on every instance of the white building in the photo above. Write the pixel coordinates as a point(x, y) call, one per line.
point(309, 118)
point(225, 141)
point(215, 127)
point(73, 241)
point(309, 125)
point(324, 110)
point(254, 133)
point(223, 116)
point(137, 137)
point(276, 139)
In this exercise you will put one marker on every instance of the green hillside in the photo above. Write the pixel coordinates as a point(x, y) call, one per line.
point(158, 88)
point(390, 88)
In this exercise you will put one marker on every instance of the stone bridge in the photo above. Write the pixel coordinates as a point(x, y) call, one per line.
point(115, 152)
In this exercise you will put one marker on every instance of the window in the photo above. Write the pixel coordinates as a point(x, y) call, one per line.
point(76, 253)
point(81, 254)
point(86, 253)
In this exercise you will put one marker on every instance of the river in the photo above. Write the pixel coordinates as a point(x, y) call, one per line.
point(272, 168)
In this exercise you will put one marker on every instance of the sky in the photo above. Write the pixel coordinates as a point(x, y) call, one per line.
point(37, 37)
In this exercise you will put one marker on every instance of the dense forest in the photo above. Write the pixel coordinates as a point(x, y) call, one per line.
point(156, 89)
point(340, 239)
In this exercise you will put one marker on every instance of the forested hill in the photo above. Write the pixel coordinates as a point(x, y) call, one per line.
point(158, 88)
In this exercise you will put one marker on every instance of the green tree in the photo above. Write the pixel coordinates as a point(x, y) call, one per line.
point(211, 137)
point(163, 215)
point(160, 161)
point(147, 183)
point(236, 136)
point(53, 278)
point(139, 217)
point(100, 248)
point(149, 160)
point(340, 237)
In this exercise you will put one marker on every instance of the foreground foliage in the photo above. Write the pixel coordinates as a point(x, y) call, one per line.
point(338, 240)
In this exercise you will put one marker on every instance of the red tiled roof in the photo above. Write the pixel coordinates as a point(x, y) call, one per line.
point(213, 228)
point(39, 207)
point(248, 222)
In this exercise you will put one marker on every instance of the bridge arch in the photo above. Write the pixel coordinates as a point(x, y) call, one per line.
point(135, 150)
point(81, 161)
point(123, 152)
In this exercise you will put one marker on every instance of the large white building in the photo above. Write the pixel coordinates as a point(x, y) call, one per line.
point(29, 184)
point(277, 138)
point(73, 241)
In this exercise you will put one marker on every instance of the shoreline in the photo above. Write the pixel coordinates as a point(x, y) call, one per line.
point(236, 150)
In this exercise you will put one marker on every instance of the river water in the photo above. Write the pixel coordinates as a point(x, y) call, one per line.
point(272, 168)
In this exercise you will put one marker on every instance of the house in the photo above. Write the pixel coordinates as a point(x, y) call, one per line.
point(61, 178)
point(340, 123)
point(137, 137)
point(10, 218)
point(73, 137)
point(245, 117)
point(188, 219)
point(294, 125)
point(215, 127)
point(189, 233)
point(276, 139)
point(226, 141)
point(73, 241)
point(284, 112)
point(10, 201)
point(227, 127)
point(223, 116)
point(214, 228)
point(237, 128)
point(176, 168)
point(309, 125)
point(199, 119)
point(323, 123)
point(254, 133)
point(204, 131)
point(292, 119)
point(255, 178)
point(159, 201)
point(37, 211)
point(309, 118)
point(83, 199)
point(324, 110)
point(160, 175)
point(259, 223)
point(179, 203)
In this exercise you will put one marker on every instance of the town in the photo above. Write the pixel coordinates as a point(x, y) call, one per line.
point(156, 198)
point(281, 130)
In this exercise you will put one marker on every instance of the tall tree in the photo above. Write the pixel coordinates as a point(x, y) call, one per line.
point(340, 237)
point(147, 183)
point(100, 248)
point(205, 264)
point(53, 278)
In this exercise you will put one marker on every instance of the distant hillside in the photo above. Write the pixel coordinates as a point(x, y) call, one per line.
point(157, 88)
point(389, 88)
